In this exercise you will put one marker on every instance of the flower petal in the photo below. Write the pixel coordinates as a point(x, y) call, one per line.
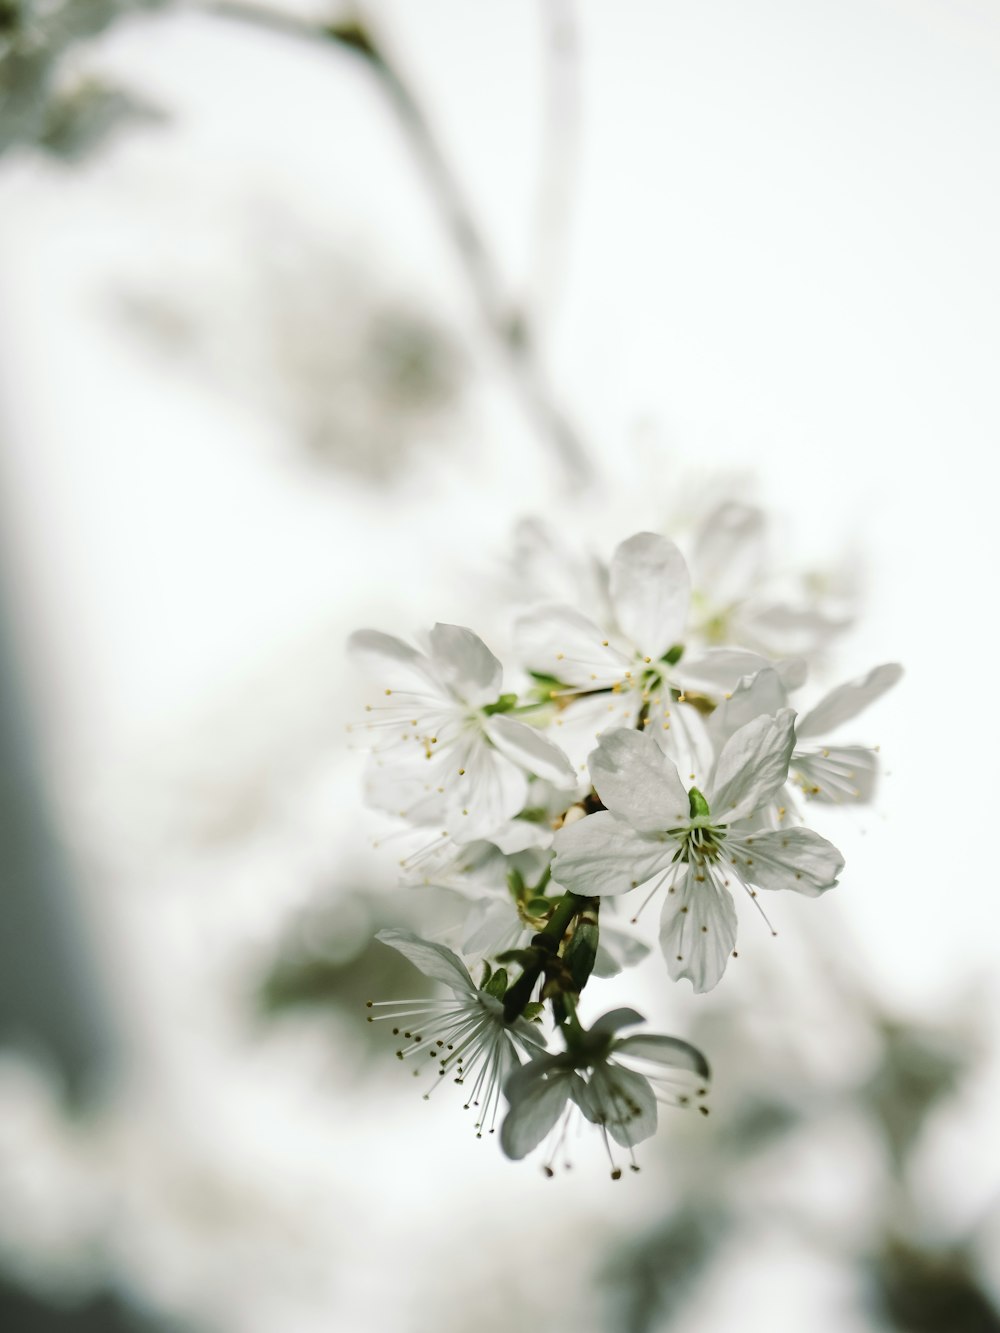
point(729, 551)
point(538, 1093)
point(679, 730)
point(650, 592)
point(434, 960)
point(559, 642)
point(394, 664)
point(698, 929)
point(637, 782)
point(530, 749)
point(484, 788)
point(602, 855)
point(622, 1101)
point(464, 661)
point(794, 858)
point(615, 1019)
point(753, 766)
point(717, 670)
point(847, 700)
point(837, 774)
point(670, 1052)
point(756, 695)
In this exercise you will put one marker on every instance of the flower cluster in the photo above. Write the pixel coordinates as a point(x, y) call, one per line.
point(650, 742)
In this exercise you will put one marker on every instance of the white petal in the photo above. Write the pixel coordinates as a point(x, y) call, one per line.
point(391, 663)
point(622, 1101)
point(558, 641)
point(755, 696)
point(517, 835)
point(615, 1019)
point(717, 670)
point(434, 960)
point(650, 592)
point(752, 767)
point(406, 785)
point(484, 789)
point(847, 700)
point(602, 855)
point(680, 732)
point(729, 551)
point(789, 629)
point(530, 749)
point(837, 774)
point(637, 782)
point(698, 930)
point(670, 1052)
point(579, 726)
point(616, 949)
point(538, 1093)
point(465, 662)
point(794, 858)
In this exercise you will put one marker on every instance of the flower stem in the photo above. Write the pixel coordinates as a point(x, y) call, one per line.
point(544, 947)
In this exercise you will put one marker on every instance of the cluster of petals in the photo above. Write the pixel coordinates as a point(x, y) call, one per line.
point(615, 1082)
point(633, 664)
point(697, 845)
point(464, 1036)
point(445, 751)
point(831, 773)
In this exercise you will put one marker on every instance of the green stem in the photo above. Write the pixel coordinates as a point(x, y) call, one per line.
point(545, 946)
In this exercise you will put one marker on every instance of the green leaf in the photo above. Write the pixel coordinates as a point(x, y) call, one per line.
point(581, 952)
point(497, 984)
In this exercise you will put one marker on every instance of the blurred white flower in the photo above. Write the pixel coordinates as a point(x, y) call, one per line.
point(614, 1081)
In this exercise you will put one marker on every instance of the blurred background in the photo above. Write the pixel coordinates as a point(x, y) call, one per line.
point(302, 308)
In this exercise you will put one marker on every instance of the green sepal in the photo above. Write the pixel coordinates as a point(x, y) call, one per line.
point(533, 1011)
point(674, 655)
point(581, 952)
point(516, 885)
point(487, 973)
point(503, 705)
point(497, 984)
point(697, 804)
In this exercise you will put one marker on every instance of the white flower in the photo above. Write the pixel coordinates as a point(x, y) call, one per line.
point(464, 1036)
point(829, 773)
point(614, 1081)
point(635, 662)
point(730, 603)
point(697, 844)
point(456, 756)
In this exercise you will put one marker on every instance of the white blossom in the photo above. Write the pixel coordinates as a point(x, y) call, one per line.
point(822, 771)
point(463, 1037)
point(615, 1082)
point(634, 662)
point(447, 752)
point(697, 844)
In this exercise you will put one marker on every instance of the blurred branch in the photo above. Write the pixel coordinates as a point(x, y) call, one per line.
point(508, 325)
point(560, 146)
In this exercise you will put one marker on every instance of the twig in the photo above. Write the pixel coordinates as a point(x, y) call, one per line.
point(507, 324)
